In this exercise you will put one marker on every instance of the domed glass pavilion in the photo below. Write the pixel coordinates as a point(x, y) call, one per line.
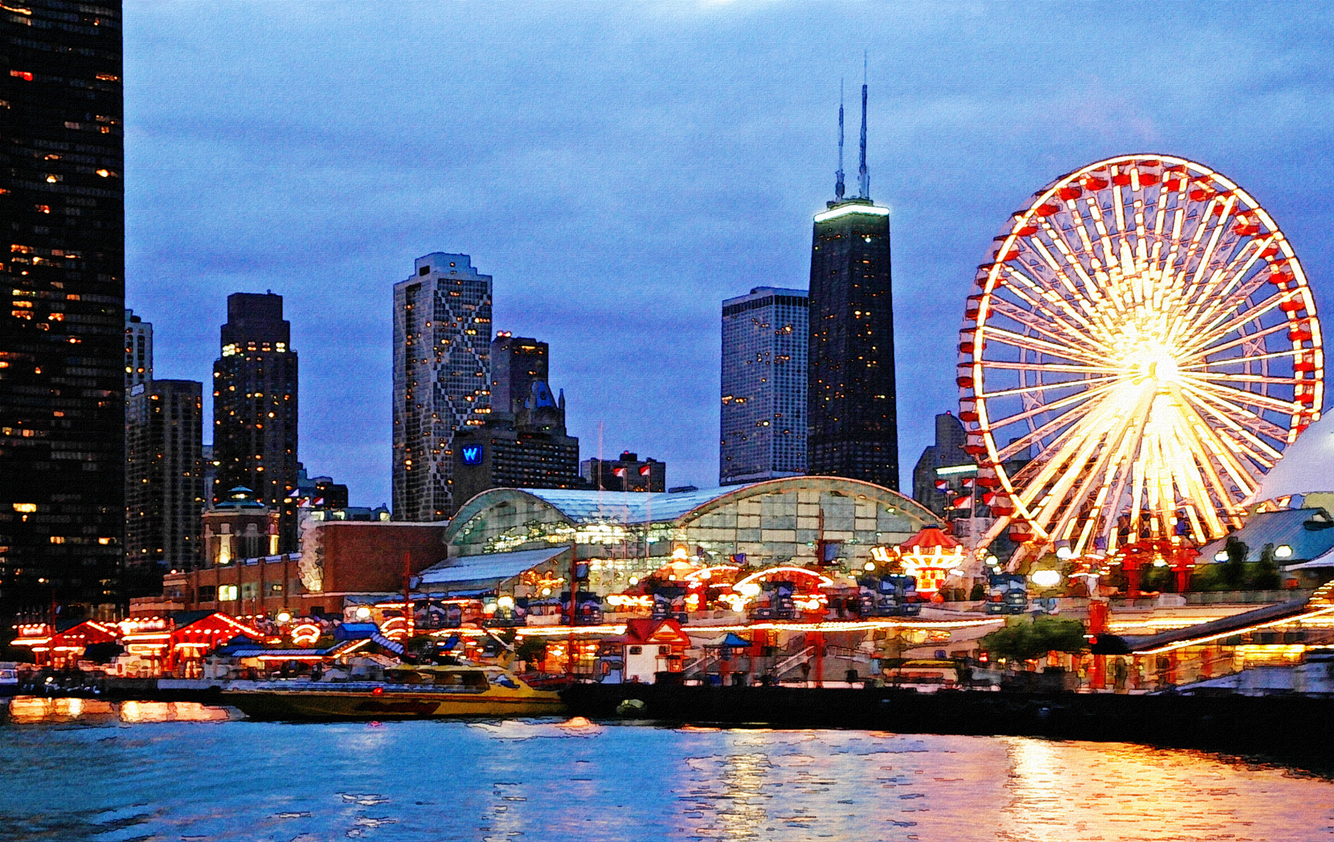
point(627, 536)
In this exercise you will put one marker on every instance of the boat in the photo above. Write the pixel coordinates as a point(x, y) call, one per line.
point(9, 679)
point(407, 692)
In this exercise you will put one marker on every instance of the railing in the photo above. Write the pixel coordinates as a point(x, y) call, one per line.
point(795, 660)
point(701, 664)
point(847, 653)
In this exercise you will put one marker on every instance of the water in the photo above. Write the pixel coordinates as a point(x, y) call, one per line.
point(185, 772)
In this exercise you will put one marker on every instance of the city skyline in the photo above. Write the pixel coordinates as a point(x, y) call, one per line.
point(968, 112)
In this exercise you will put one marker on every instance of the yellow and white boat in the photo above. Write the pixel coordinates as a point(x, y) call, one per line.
point(408, 692)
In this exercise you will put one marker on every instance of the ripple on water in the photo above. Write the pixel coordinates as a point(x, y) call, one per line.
point(552, 780)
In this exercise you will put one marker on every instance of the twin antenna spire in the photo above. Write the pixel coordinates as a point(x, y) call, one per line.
point(863, 176)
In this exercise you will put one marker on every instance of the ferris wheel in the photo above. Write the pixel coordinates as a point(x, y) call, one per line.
point(1139, 350)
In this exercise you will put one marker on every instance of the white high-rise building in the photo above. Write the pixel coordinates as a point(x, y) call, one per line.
point(763, 417)
point(442, 377)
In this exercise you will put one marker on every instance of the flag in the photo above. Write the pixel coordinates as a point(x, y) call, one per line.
point(643, 470)
point(988, 498)
point(964, 502)
point(968, 482)
point(942, 484)
point(620, 472)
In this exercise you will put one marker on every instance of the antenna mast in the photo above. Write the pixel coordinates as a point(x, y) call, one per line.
point(838, 185)
point(863, 177)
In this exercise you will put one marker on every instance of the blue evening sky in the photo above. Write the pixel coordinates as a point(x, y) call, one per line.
point(620, 168)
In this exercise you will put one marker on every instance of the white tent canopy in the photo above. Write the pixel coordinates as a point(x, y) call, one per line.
point(1307, 467)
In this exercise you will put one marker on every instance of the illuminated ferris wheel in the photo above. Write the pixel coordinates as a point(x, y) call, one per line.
point(1138, 352)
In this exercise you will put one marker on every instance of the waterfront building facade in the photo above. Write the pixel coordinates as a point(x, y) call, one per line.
point(62, 411)
point(255, 404)
point(626, 473)
point(852, 415)
point(442, 378)
point(340, 561)
point(239, 526)
point(763, 418)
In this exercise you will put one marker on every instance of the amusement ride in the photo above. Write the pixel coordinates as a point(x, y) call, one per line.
point(1139, 350)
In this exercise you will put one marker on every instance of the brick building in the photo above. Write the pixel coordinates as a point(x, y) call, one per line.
point(338, 559)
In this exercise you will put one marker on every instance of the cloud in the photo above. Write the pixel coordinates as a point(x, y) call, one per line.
point(622, 170)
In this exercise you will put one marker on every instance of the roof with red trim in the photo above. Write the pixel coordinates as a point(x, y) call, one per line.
point(930, 538)
point(642, 631)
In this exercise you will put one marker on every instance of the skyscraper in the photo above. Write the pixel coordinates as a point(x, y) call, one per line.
point(763, 420)
point(851, 414)
point(442, 378)
point(165, 480)
point(516, 363)
point(164, 467)
point(138, 350)
point(255, 405)
point(62, 407)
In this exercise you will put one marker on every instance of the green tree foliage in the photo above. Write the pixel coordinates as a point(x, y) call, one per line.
point(1021, 639)
point(1266, 576)
point(1233, 573)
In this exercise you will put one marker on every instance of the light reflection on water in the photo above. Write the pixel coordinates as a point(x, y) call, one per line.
point(78, 772)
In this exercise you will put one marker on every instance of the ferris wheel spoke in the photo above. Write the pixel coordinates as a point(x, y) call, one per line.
point(1044, 387)
point(1061, 368)
point(1233, 414)
point(1032, 343)
point(1217, 317)
point(1063, 278)
point(1198, 479)
point(1044, 297)
point(1032, 321)
point(1222, 376)
point(1210, 350)
point(1291, 353)
point(1021, 443)
point(1098, 476)
point(1214, 445)
point(1060, 403)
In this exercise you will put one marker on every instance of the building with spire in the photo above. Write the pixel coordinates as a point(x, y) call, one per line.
point(255, 405)
point(852, 421)
point(442, 378)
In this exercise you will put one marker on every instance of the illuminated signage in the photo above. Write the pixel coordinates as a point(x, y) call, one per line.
point(472, 454)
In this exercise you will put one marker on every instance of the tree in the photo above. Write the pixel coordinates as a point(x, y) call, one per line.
point(1266, 571)
point(1022, 640)
point(1234, 569)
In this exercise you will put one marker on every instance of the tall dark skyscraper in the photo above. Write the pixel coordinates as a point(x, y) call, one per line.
point(62, 384)
point(853, 423)
point(255, 405)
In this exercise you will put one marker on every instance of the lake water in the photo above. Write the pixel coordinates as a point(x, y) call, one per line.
point(76, 771)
